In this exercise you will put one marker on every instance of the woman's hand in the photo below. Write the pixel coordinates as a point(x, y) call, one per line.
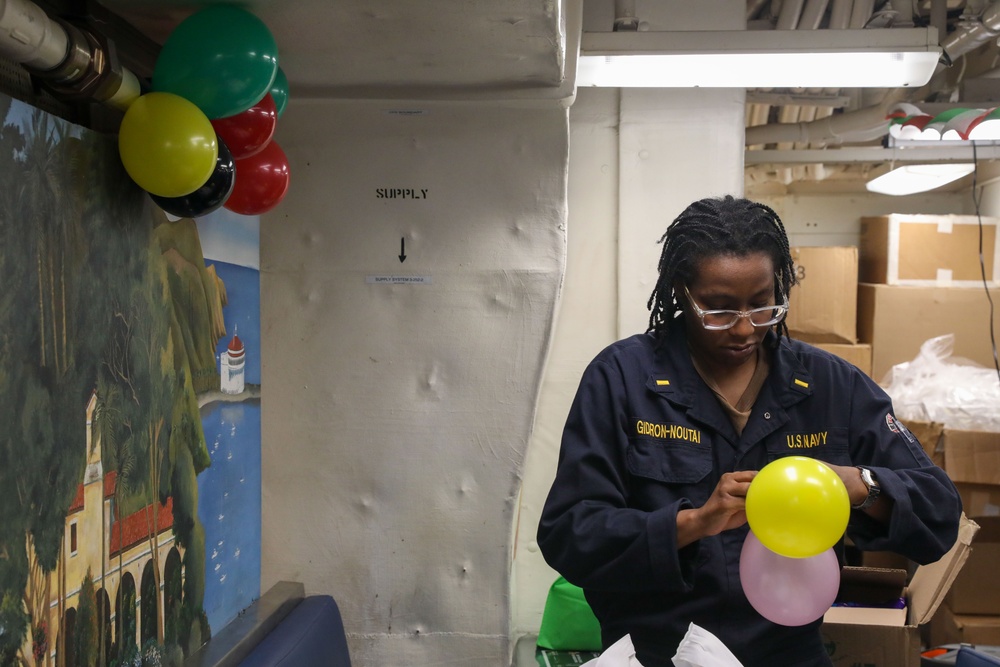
point(724, 510)
point(857, 492)
point(851, 476)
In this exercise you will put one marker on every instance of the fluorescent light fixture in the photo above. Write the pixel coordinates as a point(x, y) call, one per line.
point(914, 178)
point(881, 58)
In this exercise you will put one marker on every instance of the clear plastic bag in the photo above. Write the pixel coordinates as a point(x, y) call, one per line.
point(939, 387)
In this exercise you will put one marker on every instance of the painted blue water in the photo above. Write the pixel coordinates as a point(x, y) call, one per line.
point(229, 490)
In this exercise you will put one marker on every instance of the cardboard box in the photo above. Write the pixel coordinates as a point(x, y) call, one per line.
point(979, 499)
point(852, 640)
point(977, 587)
point(872, 586)
point(897, 319)
point(859, 354)
point(972, 457)
point(951, 628)
point(823, 305)
point(928, 250)
point(929, 435)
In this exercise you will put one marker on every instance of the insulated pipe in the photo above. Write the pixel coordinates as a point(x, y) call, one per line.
point(754, 7)
point(29, 37)
point(971, 35)
point(939, 16)
point(857, 126)
point(861, 12)
point(812, 15)
point(788, 17)
point(869, 123)
point(904, 13)
point(71, 62)
point(840, 14)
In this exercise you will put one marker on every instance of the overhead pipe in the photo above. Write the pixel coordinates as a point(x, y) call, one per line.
point(812, 15)
point(869, 124)
point(840, 14)
point(904, 14)
point(72, 62)
point(939, 16)
point(866, 124)
point(754, 7)
point(788, 17)
point(971, 34)
point(861, 12)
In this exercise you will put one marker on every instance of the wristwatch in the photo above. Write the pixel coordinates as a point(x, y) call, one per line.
point(868, 477)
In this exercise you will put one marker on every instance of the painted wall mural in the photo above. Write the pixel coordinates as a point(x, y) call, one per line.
point(129, 466)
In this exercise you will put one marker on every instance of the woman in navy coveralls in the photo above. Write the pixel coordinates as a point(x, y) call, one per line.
point(668, 428)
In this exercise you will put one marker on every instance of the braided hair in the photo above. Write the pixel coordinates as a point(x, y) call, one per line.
point(713, 227)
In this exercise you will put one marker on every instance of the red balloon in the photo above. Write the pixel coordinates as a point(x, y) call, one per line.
point(248, 132)
point(261, 181)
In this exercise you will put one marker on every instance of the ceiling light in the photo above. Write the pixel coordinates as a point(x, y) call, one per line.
point(882, 58)
point(914, 178)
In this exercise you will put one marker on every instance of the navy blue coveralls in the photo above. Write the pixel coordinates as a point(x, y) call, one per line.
point(646, 437)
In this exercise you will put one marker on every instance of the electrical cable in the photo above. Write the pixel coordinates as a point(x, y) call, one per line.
point(982, 263)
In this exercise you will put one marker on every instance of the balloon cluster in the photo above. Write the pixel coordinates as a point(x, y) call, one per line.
point(202, 137)
point(797, 509)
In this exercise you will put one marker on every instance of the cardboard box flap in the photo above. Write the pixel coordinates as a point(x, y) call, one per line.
point(931, 582)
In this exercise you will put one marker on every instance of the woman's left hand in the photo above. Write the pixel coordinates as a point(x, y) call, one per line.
point(851, 476)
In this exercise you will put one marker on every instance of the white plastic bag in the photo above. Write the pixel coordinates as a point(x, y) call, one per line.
point(939, 387)
point(619, 654)
point(700, 648)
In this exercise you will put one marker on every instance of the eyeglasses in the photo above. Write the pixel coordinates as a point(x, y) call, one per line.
point(717, 320)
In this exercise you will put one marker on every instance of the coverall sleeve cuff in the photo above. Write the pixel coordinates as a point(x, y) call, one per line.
point(672, 568)
point(872, 535)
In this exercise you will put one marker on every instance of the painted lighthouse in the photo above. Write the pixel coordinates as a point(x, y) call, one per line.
point(232, 364)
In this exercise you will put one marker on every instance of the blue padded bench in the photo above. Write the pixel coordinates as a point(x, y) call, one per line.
point(311, 634)
point(284, 628)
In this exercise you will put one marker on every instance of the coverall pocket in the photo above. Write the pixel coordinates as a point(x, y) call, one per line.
point(669, 462)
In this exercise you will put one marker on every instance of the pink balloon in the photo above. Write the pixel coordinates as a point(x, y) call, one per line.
point(788, 591)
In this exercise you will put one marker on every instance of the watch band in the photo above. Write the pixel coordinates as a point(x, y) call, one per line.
point(868, 477)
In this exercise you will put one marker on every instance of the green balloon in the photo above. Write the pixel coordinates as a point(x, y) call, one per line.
point(221, 58)
point(279, 91)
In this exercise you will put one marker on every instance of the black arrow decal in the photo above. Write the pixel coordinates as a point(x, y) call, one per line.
point(402, 249)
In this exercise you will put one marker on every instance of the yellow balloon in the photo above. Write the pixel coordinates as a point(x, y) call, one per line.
point(167, 144)
point(797, 507)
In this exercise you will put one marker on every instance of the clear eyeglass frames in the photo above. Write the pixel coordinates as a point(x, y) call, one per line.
point(718, 320)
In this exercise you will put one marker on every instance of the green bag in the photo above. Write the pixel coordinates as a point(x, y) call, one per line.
point(568, 622)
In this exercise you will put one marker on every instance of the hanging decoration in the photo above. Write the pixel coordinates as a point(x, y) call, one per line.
point(261, 181)
point(210, 196)
point(203, 137)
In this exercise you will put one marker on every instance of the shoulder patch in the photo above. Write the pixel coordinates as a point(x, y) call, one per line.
point(897, 427)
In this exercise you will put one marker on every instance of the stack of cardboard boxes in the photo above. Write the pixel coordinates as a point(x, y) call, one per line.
point(921, 277)
point(911, 279)
point(971, 612)
point(823, 305)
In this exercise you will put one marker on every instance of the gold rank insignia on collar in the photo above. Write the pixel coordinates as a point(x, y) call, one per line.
point(801, 385)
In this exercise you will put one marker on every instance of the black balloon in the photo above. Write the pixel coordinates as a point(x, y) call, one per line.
point(210, 196)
